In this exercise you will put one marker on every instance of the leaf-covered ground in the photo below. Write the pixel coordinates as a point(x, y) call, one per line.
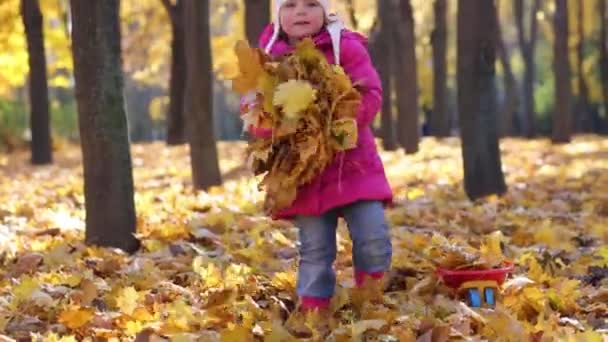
point(212, 268)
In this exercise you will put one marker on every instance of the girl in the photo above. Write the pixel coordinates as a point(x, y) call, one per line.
point(359, 190)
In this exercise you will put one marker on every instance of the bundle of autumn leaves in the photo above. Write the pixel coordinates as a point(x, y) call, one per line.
point(308, 105)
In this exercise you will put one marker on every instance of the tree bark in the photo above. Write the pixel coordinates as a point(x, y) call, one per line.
point(108, 179)
point(406, 77)
point(584, 121)
point(603, 10)
point(199, 96)
point(440, 119)
point(562, 119)
point(528, 47)
point(477, 33)
point(509, 107)
point(176, 124)
point(383, 46)
point(257, 16)
point(41, 148)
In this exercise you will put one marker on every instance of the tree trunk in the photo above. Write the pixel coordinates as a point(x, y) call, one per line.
point(176, 124)
point(509, 109)
point(528, 47)
point(477, 33)
point(561, 68)
point(41, 148)
point(257, 16)
point(584, 121)
point(108, 179)
point(603, 9)
point(383, 46)
point(440, 119)
point(199, 96)
point(406, 77)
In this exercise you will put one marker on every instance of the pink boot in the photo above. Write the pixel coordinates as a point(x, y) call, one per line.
point(361, 276)
point(314, 303)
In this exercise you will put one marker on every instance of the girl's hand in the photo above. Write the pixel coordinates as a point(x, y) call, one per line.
point(251, 116)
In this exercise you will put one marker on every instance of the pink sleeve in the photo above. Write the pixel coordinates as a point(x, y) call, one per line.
point(358, 65)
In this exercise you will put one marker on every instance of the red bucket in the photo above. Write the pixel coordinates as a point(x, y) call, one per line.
point(455, 278)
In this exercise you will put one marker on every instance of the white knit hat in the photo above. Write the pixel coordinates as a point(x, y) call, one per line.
point(334, 27)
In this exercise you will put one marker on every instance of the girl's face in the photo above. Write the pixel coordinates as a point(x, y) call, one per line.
point(301, 18)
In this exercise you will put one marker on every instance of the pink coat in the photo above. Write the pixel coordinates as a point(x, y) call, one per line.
point(359, 173)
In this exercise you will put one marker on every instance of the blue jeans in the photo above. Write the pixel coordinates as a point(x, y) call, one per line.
point(369, 232)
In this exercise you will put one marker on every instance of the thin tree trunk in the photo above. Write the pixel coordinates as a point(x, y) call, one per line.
point(477, 33)
point(376, 56)
point(440, 119)
point(528, 47)
point(176, 124)
point(510, 105)
point(603, 10)
point(41, 148)
point(383, 52)
point(562, 119)
point(584, 121)
point(406, 77)
point(257, 16)
point(199, 96)
point(108, 179)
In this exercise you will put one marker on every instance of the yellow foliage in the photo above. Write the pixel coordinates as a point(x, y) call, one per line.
point(219, 268)
point(75, 318)
point(208, 271)
point(127, 300)
point(293, 97)
point(311, 108)
point(27, 286)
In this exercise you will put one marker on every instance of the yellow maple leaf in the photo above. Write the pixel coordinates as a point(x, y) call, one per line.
point(602, 254)
point(250, 66)
point(502, 326)
point(294, 96)
point(127, 300)
point(564, 295)
point(266, 86)
point(308, 52)
point(490, 249)
point(76, 317)
point(535, 270)
point(535, 297)
point(554, 236)
point(142, 314)
point(284, 280)
point(25, 289)
point(209, 272)
point(345, 134)
point(179, 317)
point(133, 327)
point(235, 274)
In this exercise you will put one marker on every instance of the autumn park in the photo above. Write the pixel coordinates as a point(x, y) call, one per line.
point(304, 170)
